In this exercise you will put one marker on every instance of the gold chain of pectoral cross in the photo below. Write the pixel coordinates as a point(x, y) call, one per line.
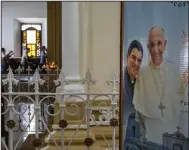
point(161, 106)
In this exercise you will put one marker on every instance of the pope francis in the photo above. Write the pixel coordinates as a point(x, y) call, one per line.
point(156, 95)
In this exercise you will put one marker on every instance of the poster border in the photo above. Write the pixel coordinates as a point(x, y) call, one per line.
point(122, 35)
point(121, 75)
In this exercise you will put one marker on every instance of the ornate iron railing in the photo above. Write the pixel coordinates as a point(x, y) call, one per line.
point(23, 91)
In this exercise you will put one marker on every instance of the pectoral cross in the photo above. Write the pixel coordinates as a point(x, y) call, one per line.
point(161, 107)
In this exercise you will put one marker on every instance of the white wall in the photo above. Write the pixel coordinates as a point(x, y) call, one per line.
point(102, 55)
point(44, 33)
point(16, 39)
point(13, 10)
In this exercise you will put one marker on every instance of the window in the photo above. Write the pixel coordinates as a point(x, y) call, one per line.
point(31, 38)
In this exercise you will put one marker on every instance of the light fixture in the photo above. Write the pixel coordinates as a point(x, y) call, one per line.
point(51, 65)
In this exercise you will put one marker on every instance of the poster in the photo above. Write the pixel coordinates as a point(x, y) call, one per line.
point(155, 76)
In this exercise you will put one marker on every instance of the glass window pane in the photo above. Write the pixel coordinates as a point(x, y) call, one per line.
point(29, 46)
point(33, 47)
point(31, 37)
point(29, 54)
point(33, 53)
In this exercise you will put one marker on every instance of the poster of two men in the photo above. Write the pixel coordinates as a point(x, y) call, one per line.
point(155, 76)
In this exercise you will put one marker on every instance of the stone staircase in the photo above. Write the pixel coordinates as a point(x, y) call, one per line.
point(78, 141)
point(28, 144)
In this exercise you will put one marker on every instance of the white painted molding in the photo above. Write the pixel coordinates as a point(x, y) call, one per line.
point(56, 127)
point(73, 78)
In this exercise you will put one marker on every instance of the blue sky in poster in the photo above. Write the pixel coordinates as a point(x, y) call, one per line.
point(139, 17)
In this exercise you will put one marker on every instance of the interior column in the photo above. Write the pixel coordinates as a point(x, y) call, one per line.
point(54, 32)
point(70, 45)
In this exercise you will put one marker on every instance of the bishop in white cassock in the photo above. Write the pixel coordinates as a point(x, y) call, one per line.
point(156, 93)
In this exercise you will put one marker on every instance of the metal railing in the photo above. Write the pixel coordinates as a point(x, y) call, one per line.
point(37, 97)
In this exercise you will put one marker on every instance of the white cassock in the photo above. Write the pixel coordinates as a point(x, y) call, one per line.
point(155, 85)
point(183, 119)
